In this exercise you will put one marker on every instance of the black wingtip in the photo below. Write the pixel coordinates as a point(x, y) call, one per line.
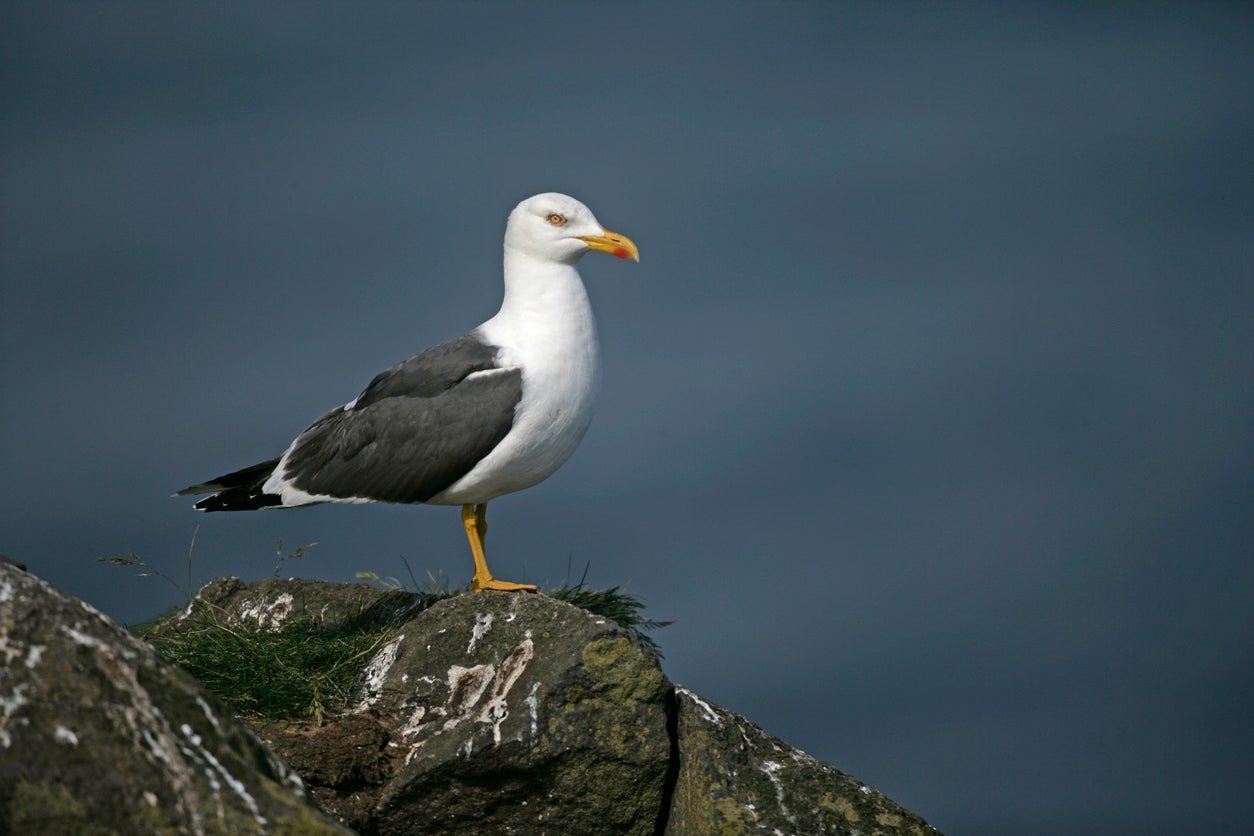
point(239, 499)
point(238, 491)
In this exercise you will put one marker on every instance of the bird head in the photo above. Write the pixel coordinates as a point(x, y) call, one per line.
point(557, 228)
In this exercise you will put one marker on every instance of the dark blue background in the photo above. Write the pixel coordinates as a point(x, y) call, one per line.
point(928, 414)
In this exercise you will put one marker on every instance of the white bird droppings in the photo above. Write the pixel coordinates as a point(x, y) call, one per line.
point(706, 709)
point(9, 706)
point(771, 768)
point(270, 615)
point(483, 623)
point(237, 786)
point(376, 672)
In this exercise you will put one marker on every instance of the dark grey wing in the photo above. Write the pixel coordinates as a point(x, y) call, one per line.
point(431, 372)
point(414, 431)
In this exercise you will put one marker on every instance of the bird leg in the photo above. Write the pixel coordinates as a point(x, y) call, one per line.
point(474, 518)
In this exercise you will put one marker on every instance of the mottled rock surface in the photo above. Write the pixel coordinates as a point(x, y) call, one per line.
point(514, 713)
point(735, 778)
point(101, 735)
point(486, 714)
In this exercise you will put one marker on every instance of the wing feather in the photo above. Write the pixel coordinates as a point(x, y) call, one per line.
point(416, 428)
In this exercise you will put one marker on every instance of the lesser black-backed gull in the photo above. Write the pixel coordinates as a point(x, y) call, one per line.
point(489, 413)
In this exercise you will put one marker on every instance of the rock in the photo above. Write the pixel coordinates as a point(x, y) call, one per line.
point(512, 713)
point(101, 735)
point(488, 713)
point(735, 778)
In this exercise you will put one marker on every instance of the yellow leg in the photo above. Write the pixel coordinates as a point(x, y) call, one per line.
point(474, 518)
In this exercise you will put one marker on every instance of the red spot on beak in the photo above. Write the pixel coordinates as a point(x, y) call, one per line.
point(621, 253)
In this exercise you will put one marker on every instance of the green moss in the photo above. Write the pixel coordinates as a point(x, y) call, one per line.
point(839, 805)
point(733, 817)
point(297, 818)
point(302, 821)
point(39, 808)
point(623, 687)
point(50, 808)
point(620, 672)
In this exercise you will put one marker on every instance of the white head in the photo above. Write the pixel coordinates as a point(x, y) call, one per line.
point(557, 228)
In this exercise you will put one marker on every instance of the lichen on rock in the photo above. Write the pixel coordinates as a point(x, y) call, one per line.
point(100, 734)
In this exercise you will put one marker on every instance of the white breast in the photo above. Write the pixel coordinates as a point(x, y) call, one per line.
point(549, 332)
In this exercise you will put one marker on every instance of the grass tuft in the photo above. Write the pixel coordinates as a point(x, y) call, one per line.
point(623, 608)
point(304, 670)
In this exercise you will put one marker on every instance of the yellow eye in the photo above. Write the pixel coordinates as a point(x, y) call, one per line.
point(556, 219)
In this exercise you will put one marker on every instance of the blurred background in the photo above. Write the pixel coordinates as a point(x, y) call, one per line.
point(928, 415)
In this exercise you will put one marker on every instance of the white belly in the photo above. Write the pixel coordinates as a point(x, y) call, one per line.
point(561, 376)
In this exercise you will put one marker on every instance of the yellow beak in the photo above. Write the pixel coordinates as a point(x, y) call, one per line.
point(612, 243)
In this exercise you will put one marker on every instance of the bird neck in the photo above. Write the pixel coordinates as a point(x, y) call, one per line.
point(545, 321)
point(541, 289)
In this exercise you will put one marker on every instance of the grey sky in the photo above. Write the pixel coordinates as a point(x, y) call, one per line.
point(928, 414)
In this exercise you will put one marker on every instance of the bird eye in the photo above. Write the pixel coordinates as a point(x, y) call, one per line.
point(556, 219)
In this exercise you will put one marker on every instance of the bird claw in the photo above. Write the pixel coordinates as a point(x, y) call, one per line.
point(477, 585)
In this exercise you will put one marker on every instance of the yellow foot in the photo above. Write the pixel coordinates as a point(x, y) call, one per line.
point(505, 586)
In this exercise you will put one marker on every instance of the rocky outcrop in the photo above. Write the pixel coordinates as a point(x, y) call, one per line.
point(482, 714)
point(101, 735)
point(488, 713)
point(735, 778)
point(513, 713)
